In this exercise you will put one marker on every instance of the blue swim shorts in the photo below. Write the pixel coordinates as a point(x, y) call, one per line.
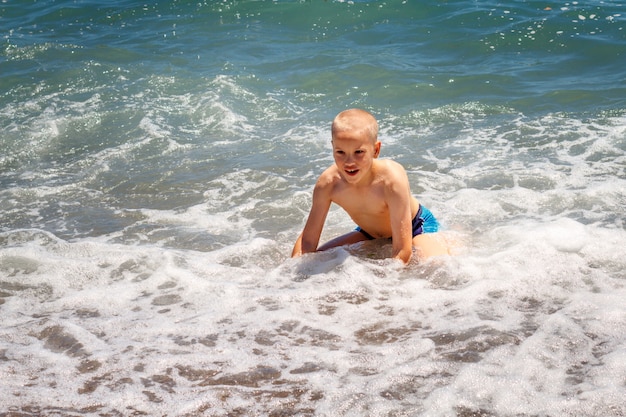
point(423, 222)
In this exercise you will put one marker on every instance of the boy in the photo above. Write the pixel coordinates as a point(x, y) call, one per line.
point(375, 193)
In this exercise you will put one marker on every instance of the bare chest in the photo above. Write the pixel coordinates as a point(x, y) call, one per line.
point(369, 201)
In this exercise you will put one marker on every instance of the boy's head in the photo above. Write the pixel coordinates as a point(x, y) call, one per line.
point(355, 145)
point(356, 122)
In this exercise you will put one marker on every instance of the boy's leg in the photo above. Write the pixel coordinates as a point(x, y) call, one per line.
point(347, 239)
point(430, 244)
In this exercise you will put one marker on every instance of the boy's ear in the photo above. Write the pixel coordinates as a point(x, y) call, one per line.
point(377, 146)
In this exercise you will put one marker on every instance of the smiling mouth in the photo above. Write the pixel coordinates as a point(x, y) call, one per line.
point(351, 171)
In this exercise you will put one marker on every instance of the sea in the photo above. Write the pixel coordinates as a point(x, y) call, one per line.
point(157, 162)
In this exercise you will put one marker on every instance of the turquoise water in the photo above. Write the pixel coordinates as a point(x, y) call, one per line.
point(157, 165)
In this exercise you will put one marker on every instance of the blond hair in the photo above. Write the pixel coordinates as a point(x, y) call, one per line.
point(356, 120)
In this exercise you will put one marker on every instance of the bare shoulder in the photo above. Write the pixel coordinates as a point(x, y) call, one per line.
point(391, 171)
point(328, 179)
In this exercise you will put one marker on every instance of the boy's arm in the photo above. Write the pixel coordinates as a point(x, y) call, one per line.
point(399, 203)
point(310, 236)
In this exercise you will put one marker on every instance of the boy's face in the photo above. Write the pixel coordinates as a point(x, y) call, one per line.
point(354, 154)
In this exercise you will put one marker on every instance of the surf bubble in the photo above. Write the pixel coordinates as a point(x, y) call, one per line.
point(565, 235)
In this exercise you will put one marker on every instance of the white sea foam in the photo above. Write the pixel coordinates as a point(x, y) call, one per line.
point(197, 306)
point(529, 315)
